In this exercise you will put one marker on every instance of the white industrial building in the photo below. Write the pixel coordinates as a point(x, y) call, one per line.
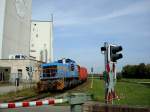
point(23, 42)
point(15, 25)
point(15, 18)
point(41, 43)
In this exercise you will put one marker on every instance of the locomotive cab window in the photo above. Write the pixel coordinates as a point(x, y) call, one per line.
point(49, 71)
point(68, 60)
point(59, 61)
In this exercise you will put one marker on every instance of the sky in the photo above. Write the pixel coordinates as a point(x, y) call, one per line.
point(82, 26)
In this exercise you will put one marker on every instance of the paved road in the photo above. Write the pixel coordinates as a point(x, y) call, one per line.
point(44, 108)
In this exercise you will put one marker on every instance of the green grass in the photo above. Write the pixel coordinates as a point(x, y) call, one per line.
point(130, 92)
point(97, 90)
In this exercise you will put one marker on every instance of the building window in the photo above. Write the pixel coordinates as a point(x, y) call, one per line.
point(17, 57)
point(19, 73)
point(36, 35)
point(6, 70)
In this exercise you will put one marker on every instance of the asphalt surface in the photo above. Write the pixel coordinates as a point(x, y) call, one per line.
point(44, 108)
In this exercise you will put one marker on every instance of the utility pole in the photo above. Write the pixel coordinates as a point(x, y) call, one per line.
point(92, 77)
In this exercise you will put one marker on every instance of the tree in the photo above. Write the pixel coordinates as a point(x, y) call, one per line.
point(136, 71)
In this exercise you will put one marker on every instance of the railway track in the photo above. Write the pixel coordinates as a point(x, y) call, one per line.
point(55, 94)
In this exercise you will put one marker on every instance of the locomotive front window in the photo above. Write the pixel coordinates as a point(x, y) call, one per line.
point(49, 71)
point(60, 61)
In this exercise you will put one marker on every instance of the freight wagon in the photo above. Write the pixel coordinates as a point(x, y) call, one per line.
point(60, 75)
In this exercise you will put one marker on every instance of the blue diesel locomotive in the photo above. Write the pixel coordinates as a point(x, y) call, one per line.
point(60, 74)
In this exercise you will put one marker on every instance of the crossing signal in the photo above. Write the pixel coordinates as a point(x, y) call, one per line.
point(27, 68)
point(103, 48)
point(113, 49)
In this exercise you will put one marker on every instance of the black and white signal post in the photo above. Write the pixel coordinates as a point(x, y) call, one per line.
point(30, 70)
point(111, 56)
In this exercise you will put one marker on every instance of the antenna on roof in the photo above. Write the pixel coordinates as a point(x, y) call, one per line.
point(52, 17)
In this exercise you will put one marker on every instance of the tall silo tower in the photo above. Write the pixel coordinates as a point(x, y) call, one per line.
point(15, 18)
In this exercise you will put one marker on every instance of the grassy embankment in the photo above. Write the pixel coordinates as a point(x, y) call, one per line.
point(130, 91)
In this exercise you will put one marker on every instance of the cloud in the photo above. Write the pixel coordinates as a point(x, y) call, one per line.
point(135, 8)
point(74, 20)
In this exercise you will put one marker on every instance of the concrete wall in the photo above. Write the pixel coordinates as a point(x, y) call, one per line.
point(41, 40)
point(16, 33)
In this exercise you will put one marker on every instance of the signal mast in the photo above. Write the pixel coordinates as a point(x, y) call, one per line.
point(111, 56)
